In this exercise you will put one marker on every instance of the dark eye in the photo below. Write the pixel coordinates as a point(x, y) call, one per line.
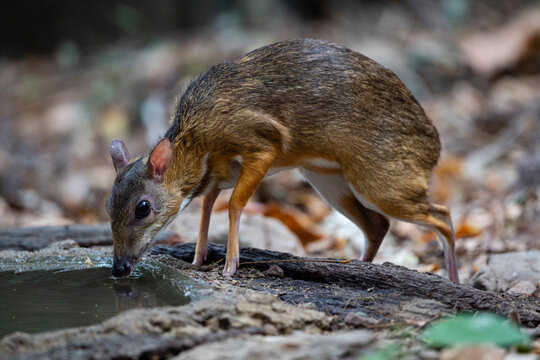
point(143, 209)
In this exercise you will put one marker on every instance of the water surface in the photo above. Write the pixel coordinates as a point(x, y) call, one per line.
point(43, 300)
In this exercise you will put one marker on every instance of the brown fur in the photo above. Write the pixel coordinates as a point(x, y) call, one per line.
point(288, 103)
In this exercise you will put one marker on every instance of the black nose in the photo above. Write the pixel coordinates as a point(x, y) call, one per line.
point(121, 268)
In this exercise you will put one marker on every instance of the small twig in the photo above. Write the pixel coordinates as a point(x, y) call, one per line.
point(436, 317)
point(217, 262)
point(346, 261)
point(345, 307)
point(387, 325)
point(391, 324)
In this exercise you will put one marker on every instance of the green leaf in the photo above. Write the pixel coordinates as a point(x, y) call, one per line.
point(389, 352)
point(468, 328)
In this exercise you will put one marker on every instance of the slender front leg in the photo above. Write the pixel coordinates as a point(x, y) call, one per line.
point(253, 170)
point(202, 240)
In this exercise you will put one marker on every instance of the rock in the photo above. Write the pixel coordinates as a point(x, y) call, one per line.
point(514, 356)
point(358, 320)
point(473, 352)
point(114, 347)
point(525, 288)
point(268, 309)
point(163, 332)
point(529, 171)
point(503, 271)
point(533, 333)
point(64, 254)
point(275, 271)
point(60, 245)
point(308, 305)
point(298, 345)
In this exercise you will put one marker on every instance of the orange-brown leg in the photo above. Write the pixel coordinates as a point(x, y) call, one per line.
point(202, 240)
point(253, 170)
point(441, 221)
point(404, 196)
point(336, 191)
point(435, 217)
point(374, 225)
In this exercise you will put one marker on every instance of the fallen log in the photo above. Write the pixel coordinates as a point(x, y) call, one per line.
point(373, 289)
point(36, 238)
point(386, 292)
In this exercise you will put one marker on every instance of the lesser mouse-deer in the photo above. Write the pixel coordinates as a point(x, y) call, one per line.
point(356, 133)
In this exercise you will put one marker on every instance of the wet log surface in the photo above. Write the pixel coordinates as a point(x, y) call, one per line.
point(36, 238)
point(384, 292)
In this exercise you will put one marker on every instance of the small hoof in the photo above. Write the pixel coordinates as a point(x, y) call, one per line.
point(197, 263)
point(229, 271)
point(198, 260)
point(230, 267)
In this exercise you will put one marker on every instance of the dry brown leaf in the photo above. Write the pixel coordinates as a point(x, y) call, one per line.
point(466, 230)
point(429, 268)
point(441, 190)
point(490, 53)
point(524, 288)
point(298, 222)
point(315, 207)
point(252, 207)
point(449, 166)
point(427, 237)
point(535, 346)
point(403, 230)
point(341, 243)
point(448, 170)
point(474, 352)
point(175, 239)
point(322, 245)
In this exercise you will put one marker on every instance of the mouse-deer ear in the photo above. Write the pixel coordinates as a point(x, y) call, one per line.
point(160, 159)
point(119, 154)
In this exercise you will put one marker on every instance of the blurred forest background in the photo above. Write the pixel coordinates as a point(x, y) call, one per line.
point(76, 75)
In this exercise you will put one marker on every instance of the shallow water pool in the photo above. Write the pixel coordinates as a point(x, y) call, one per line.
point(42, 300)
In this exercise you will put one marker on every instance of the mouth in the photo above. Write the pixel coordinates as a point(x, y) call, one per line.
point(122, 267)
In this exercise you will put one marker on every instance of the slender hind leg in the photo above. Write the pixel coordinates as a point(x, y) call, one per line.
point(374, 225)
point(411, 205)
point(444, 229)
point(335, 190)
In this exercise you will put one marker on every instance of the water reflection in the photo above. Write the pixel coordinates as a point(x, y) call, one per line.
point(147, 292)
point(43, 300)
